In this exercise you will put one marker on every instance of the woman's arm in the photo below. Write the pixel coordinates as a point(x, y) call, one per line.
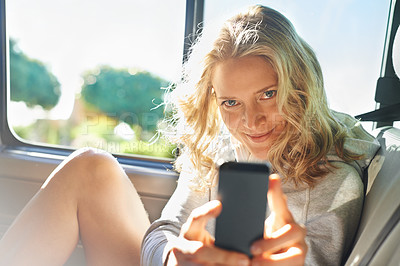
point(171, 241)
point(167, 228)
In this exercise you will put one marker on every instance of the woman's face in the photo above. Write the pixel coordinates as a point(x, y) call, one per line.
point(246, 91)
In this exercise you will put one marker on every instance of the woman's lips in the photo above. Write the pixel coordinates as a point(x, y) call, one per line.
point(259, 138)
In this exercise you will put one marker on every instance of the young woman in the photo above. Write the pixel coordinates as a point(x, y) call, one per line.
point(256, 94)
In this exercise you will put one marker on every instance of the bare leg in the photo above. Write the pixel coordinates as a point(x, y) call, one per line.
point(90, 196)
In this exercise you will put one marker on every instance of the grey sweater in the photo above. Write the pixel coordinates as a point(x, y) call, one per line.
point(330, 211)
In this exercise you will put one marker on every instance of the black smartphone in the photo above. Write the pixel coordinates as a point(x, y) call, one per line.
point(242, 190)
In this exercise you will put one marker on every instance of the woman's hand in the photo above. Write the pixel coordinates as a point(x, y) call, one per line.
point(284, 239)
point(283, 243)
point(196, 246)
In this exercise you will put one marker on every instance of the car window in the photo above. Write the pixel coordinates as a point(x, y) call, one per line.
point(347, 36)
point(89, 73)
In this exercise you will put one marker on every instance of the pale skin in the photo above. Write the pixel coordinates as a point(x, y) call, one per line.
point(245, 90)
point(283, 242)
point(89, 197)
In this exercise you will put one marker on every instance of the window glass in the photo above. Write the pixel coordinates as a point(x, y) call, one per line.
point(89, 73)
point(347, 36)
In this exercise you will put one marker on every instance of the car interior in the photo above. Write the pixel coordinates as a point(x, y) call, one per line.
point(377, 240)
point(25, 165)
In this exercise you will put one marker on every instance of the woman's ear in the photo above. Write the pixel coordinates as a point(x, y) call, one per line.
point(213, 95)
point(213, 92)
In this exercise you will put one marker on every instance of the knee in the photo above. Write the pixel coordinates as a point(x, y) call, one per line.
point(91, 158)
point(87, 167)
point(95, 163)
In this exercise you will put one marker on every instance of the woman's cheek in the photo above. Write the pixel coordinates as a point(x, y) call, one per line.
point(231, 121)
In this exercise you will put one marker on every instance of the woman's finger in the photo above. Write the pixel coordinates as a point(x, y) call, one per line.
point(277, 201)
point(287, 236)
point(196, 253)
point(293, 256)
point(194, 228)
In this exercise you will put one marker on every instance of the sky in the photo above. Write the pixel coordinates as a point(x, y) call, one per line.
point(73, 36)
point(347, 36)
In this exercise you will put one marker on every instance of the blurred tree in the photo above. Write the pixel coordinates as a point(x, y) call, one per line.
point(130, 97)
point(31, 81)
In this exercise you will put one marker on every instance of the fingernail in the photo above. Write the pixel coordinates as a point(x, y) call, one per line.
point(243, 262)
point(255, 250)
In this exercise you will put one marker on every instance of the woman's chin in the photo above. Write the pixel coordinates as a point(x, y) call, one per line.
point(260, 155)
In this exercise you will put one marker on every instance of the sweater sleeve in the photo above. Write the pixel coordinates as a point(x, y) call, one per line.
point(163, 232)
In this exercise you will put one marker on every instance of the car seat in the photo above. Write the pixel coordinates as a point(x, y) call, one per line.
point(378, 238)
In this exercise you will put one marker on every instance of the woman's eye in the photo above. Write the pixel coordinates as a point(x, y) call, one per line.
point(229, 103)
point(269, 94)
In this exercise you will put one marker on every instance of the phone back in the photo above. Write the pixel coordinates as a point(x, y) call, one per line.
point(242, 191)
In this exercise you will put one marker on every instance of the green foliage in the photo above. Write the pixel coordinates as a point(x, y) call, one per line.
point(111, 96)
point(98, 133)
point(31, 81)
point(130, 98)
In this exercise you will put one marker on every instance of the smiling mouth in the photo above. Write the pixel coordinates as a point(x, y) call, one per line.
point(258, 138)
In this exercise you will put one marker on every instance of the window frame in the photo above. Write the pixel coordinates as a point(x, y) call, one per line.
point(193, 18)
point(386, 91)
point(12, 143)
point(387, 68)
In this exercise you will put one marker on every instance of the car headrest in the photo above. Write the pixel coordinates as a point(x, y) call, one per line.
point(396, 52)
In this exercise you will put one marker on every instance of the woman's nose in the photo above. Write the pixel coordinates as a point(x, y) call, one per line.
point(254, 117)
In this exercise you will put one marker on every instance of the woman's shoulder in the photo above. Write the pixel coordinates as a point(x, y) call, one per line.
point(341, 176)
point(339, 190)
point(359, 142)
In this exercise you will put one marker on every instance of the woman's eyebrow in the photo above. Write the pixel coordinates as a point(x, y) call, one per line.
point(257, 92)
point(226, 98)
point(266, 88)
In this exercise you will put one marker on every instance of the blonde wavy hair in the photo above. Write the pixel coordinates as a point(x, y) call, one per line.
point(299, 153)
